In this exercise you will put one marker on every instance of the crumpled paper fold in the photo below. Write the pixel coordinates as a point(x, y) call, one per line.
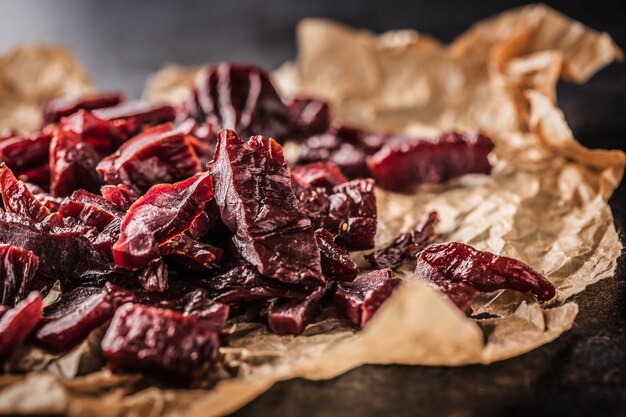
point(545, 202)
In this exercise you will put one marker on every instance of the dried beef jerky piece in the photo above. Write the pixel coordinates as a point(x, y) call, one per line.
point(165, 211)
point(457, 269)
point(292, 316)
point(209, 312)
point(320, 174)
point(18, 199)
point(55, 109)
point(119, 195)
point(406, 245)
point(313, 202)
point(72, 164)
point(38, 175)
point(238, 97)
point(64, 254)
point(352, 215)
point(18, 322)
point(157, 155)
point(103, 135)
point(50, 202)
point(336, 262)
point(360, 299)
point(308, 117)
point(78, 316)
point(192, 254)
point(154, 276)
point(17, 269)
point(244, 284)
point(142, 338)
point(24, 153)
point(145, 113)
point(90, 209)
point(253, 190)
point(451, 155)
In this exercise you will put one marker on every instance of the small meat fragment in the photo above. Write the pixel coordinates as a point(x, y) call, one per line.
point(79, 316)
point(157, 155)
point(50, 202)
point(308, 117)
point(90, 209)
point(55, 109)
point(26, 153)
point(253, 191)
point(210, 313)
point(320, 174)
point(154, 276)
point(292, 316)
point(461, 271)
point(72, 164)
point(18, 199)
point(336, 262)
point(244, 284)
point(352, 215)
point(360, 299)
point(17, 269)
point(451, 155)
point(143, 112)
point(407, 244)
point(313, 202)
point(159, 341)
point(103, 135)
point(192, 254)
point(165, 211)
point(238, 97)
point(18, 322)
point(119, 195)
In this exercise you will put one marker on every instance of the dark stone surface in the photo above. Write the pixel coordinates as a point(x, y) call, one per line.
point(583, 373)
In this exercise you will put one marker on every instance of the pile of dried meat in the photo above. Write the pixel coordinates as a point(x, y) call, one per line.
point(162, 223)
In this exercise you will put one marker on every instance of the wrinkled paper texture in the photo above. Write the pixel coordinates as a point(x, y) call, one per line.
point(545, 204)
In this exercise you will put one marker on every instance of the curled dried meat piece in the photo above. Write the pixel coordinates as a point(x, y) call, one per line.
point(244, 284)
point(308, 117)
point(72, 164)
point(103, 135)
point(320, 174)
point(18, 322)
point(79, 316)
point(253, 190)
point(18, 199)
point(336, 262)
point(23, 154)
point(154, 276)
point(192, 254)
point(407, 244)
point(90, 209)
point(292, 316)
point(157, 155)
point(164, 212)
point(119, 195)
point(55, 109)
point(238, 97)
point(206, 311)
point(160, 341)
point(17, 269)
point(451, 155)
point(143, 112)
point(460, 271)
point(360, 299)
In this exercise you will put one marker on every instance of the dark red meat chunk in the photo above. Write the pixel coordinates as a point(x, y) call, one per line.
point(320, 174)
point(90, 209)
point(154, 276)
point(103, 135)
point(72, 164)
point(159, 341)
point(359, 300)
point(313, 202)
point(79, 316)
point(292, 316)
point(192, 254)
point(308, 117)
point(406, 245)
point(18, 322)
point(143, 112)
point(18, 199)
point(253, 190)
point(50, 202)
point(17, 269)
point(461, 271)
point(244, 284)
point(336, 262)
point(238, 97)
point(55, 109)
point(119, 195)
point(165, 211)
point(451, 155)
point(39, 175)
point(210, 313)
point(26, 154)
point(157, 155)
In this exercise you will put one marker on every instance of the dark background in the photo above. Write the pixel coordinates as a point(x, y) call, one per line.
point(583, 373)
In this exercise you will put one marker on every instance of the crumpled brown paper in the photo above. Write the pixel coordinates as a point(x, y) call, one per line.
point(544, 204)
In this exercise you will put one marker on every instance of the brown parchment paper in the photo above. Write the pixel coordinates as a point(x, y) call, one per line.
point(544, 204)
